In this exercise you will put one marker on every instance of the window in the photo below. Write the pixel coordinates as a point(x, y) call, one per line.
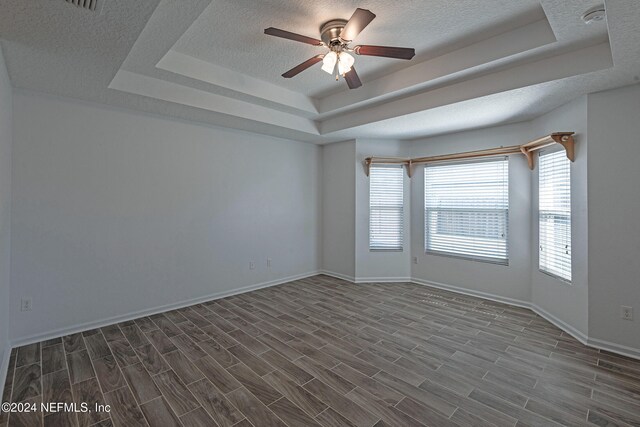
point(386, 208)
point(554, 215)
point(467, 210)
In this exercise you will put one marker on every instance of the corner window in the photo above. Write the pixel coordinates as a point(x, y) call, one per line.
point(386, 208)
point(554, 215)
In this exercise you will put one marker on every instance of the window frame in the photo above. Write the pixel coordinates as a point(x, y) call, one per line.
point(400, 168)
point(562, 279)
point(488, 260)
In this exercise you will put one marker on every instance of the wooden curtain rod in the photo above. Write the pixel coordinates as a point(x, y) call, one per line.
point(563, 138)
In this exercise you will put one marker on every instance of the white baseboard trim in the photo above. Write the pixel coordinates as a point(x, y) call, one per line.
point(155, 310)
point(365, 279)
point(614, 348)
point(580, 336)
point(585, 339)
point(338, 275)
point(473, 293)
point(383, 280)
point(577, 334)
point(4, 368)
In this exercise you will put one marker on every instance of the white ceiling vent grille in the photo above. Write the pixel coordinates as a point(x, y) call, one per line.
point(93, 5)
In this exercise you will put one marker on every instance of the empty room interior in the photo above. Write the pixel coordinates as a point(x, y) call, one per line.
point(208, 217)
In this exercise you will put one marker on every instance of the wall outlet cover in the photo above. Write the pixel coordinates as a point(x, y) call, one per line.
point(26, 304)
point(626, 312)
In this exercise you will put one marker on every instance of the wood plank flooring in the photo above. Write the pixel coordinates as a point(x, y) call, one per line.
point(324, 352)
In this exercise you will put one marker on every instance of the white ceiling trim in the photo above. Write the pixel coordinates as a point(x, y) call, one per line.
point(194, 68)
point(139, 84)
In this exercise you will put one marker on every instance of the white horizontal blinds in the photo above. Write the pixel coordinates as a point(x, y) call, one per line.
point(386, 208)
point(555, 214)
point(467, 209)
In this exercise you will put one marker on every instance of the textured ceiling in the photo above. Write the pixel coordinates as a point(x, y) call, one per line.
point(478, 62)
point(216, 36)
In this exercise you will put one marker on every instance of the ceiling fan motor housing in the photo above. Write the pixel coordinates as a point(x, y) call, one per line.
point(330, 32)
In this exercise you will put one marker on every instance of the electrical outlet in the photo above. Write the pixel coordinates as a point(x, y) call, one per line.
point(626, 312)
point(26, 304)
point(252, 265)
point(415, 259)
point(269, 262)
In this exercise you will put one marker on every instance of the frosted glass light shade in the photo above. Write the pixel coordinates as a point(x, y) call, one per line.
point(329, 62)
point(345, 63)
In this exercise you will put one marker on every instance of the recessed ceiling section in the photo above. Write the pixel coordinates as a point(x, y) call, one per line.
point(477, 63)
point(230, 33)
point(214, 56)
point(474, 58)
point(466, 61)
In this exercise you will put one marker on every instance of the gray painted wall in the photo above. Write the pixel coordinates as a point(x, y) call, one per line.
point(338, 208)
point(6, 139)
point(116, 212)
point(614, 209)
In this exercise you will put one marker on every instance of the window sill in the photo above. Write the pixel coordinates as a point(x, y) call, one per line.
point(561, 279)
point(467, 258)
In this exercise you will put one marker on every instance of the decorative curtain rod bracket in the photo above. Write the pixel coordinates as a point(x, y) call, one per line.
point(529, 155)
point(567, 141)
point(367, 165)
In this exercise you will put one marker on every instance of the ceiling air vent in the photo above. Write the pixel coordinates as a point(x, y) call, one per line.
point(93, 5)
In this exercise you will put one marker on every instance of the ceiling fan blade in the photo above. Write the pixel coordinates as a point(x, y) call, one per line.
point(386, 51)
point(358, 21)
point(301, 67)
point(353, 81)
point(292, 36)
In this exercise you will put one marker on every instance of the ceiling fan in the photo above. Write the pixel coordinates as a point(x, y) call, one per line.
point(336, 35)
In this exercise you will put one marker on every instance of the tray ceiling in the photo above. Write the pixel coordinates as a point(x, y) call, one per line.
point(478, 62)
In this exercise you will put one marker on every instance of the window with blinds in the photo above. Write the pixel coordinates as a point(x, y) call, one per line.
point(554, 215)
point(386, 208)
point(467, 210)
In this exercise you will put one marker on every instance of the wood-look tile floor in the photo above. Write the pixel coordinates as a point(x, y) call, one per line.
point(322, 351)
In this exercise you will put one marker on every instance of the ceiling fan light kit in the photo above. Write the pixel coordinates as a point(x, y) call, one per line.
point(329, 62)
point(336, 35)
point(345, 63)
